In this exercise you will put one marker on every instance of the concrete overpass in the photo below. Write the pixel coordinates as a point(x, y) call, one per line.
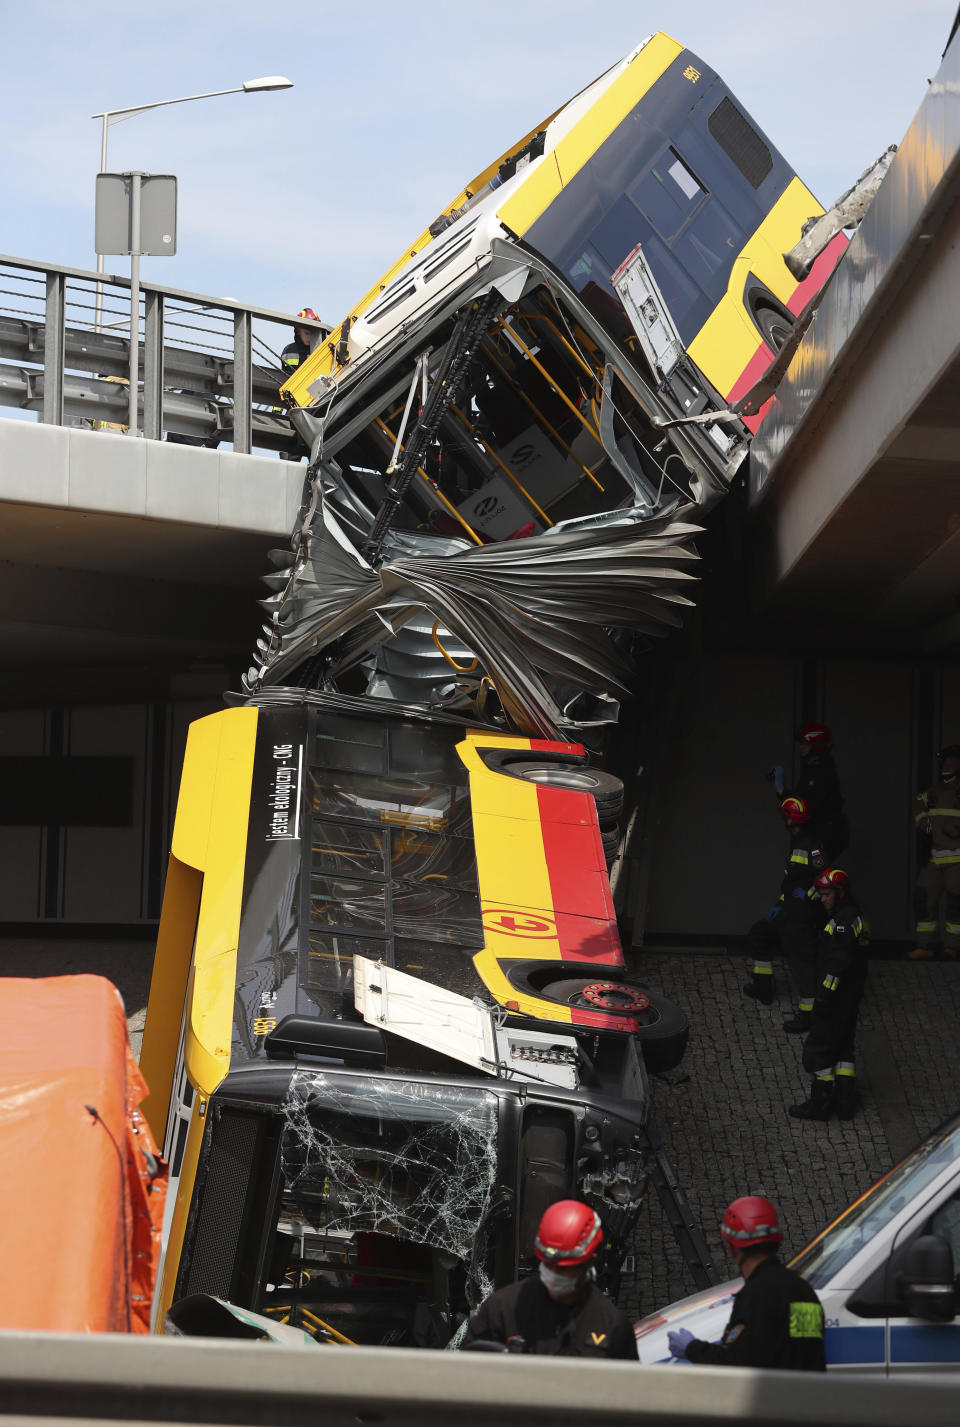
point(855, 472)
point(125, 564)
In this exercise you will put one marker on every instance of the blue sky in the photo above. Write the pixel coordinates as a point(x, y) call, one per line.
point(306, 196)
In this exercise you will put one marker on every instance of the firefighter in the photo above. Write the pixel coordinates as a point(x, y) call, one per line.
point(828, 1051)
point(560, 1311)
point(777, 1320)
point(937, 812)
point(818, 784)
point(792, 924)
point(298, 350)
point(292, 355)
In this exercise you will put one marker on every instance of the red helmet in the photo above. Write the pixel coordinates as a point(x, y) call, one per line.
point(952, 750)
point(569, 1234)
point(308, 312)
point(832, 879)
point(817, 735)
point(751, 1222)
point(796, 809)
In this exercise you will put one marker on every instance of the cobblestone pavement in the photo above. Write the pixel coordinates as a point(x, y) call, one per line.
point(725, 1126)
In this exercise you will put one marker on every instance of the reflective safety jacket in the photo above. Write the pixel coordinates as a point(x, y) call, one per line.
point(841, 954)
point(592, 1326)
point(937, 812)
point(776, 1322)
point(292, 355)
point(805, 861)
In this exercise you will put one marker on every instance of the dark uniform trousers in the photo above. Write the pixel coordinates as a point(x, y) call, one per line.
point(592, 1326)
point(776, 1322)
point(828, 1051)
point(793, 930)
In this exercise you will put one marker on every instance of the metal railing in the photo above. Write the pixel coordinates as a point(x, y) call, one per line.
point(209, 367)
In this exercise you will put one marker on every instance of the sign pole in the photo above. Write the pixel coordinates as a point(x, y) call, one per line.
point(133, 421)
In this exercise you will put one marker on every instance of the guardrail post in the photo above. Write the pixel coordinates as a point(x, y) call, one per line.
point(53, 348)
point(242, 381)
point(153, 365)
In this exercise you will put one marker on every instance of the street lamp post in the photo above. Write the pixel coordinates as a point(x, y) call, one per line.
point(117, 116)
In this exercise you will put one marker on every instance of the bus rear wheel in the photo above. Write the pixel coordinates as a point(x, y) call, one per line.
point(776, 328)
point(663, 1027)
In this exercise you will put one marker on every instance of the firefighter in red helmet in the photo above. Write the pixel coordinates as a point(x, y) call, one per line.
point(559, 1311)
point(828, 1051)
point(791, 925)
point(818, 784)
point(298, 350)
point(291, 357)
point(777, 1320)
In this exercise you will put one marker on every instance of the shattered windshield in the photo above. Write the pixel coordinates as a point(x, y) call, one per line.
point(415, 1162)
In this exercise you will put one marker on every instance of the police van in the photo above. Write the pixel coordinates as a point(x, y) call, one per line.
point(885, 1272)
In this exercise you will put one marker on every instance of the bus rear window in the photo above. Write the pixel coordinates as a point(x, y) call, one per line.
point(740, 142)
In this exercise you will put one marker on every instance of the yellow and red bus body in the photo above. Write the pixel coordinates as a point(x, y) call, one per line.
point(656, 152)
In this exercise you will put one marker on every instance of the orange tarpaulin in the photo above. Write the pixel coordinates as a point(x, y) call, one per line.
point(81, 1184)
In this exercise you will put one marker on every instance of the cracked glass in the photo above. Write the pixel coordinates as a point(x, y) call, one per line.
point(372, 1167)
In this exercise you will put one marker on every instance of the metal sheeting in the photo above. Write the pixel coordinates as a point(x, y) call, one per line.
point(533, 610)
point(892, 237)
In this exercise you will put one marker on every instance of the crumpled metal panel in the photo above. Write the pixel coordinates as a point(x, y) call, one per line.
point(918, 185)
point(533, 610)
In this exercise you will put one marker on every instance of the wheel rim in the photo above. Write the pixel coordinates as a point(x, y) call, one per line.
point(613, 996)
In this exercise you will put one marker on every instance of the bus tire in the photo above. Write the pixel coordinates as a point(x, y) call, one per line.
point(610, 837)
point(607, 790)
point(663, 1027)
point(776, 329)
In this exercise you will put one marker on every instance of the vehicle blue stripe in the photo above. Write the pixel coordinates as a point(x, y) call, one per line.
point(931, 1343)
point(855, 1345)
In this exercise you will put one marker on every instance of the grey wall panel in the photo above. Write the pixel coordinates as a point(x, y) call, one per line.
point(102, 865)
point(717, 844)
point(21, 734)
point(869, 708)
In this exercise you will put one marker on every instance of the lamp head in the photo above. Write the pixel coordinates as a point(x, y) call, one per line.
point(270, 81)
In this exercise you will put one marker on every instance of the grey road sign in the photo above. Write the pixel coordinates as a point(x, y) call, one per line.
point(115, 217)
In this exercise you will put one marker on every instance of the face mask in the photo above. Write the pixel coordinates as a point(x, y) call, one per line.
point(559, 1285)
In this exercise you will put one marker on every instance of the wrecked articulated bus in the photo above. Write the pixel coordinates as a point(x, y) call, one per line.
point(389, 958)
point(388, 949)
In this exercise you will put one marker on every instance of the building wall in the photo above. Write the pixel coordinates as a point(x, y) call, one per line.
point(87, 816)
point(714, 841)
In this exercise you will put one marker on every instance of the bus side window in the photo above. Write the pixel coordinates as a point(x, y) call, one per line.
point(667, 194)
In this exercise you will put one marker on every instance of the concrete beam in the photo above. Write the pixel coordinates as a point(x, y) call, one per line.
point(103, 471)
point(864, 420)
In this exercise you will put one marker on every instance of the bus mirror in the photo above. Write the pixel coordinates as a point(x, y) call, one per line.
point(345, 1042)
point(925, 1282)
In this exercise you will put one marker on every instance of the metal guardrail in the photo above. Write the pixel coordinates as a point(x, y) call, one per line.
point(95, 1378)
point(208, 368)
